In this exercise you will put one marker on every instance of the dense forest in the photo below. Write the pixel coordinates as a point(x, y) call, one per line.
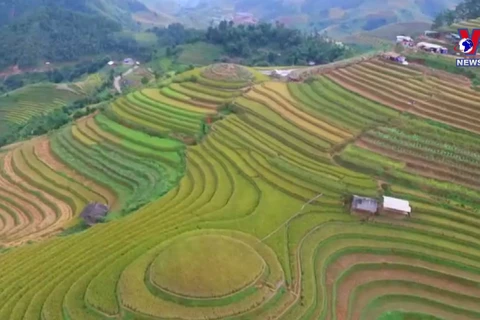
point(468, 9)
point(118, 10)
point(54, 34)
point(261, 44)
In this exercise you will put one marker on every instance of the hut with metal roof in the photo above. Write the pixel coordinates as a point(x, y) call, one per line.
point(396, 206)
point(94, 213)
point(364, 205)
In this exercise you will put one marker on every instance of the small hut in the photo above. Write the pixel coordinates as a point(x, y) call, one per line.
point(396, 206)
point(364, 205)
point(94, 213)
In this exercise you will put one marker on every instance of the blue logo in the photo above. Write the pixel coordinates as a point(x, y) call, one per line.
point(465, 46)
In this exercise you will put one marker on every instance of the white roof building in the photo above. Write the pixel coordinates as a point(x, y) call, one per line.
point(429, 45)
point(404, 38)
point(280, 73)
point(390, 203)
point(111, 63)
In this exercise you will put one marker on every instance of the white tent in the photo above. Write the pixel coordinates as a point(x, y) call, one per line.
point(390, 203)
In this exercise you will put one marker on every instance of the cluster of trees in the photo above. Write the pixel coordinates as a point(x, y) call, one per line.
point(274, 44)
point(176, 34)
point(261, 44)
point(468, 9)
point(55, 34)
point(55, 119)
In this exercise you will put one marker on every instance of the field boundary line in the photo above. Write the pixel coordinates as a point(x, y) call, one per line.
point(291, 218)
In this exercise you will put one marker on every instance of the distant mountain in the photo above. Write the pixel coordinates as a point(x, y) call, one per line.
point(337, 17)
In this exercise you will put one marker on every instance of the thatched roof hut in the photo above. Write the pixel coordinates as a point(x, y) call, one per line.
point(94, 213)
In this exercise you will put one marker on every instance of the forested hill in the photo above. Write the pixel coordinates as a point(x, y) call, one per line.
point(53, 34)
point(263, 44)
point(118, 10)
point(71, 29)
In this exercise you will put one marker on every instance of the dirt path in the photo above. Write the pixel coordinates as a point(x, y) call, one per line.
point(116, 80)
point(297, 279)
point(292, 217)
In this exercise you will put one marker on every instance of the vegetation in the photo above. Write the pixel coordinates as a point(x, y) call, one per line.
point(38, 109)
point(57, 75)
point(465, 10)
point(58, 35)
point(241, 186)
point(445, 64)
point(263, 44)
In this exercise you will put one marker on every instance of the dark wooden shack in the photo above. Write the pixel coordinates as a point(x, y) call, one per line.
point(94, 213)
point(364, 205)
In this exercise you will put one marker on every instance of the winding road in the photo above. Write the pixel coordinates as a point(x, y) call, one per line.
point(116, 81)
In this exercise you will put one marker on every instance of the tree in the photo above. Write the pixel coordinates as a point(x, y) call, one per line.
point(439, 21)
point(144, 80)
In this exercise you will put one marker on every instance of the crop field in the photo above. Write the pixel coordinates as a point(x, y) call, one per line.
point(251, 221)
point(369, 39)
point(413, 91)
point(200, 53)
point(18, 106)
point(89, 85)
point(469, 24)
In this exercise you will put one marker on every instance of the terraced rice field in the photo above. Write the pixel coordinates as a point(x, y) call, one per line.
point(466, 24)
point(251, 221)
point(88, 86)
point(413, 91)
point(18, 106)
point(369, 39)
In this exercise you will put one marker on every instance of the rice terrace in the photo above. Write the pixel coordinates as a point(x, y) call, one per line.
point(229, 198)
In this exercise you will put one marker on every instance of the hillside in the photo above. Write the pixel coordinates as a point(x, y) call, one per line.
point(385, 36)
point(117, 10)
point(247, 183)
point(44, 30)
point(338, 18)
point(24, 110)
